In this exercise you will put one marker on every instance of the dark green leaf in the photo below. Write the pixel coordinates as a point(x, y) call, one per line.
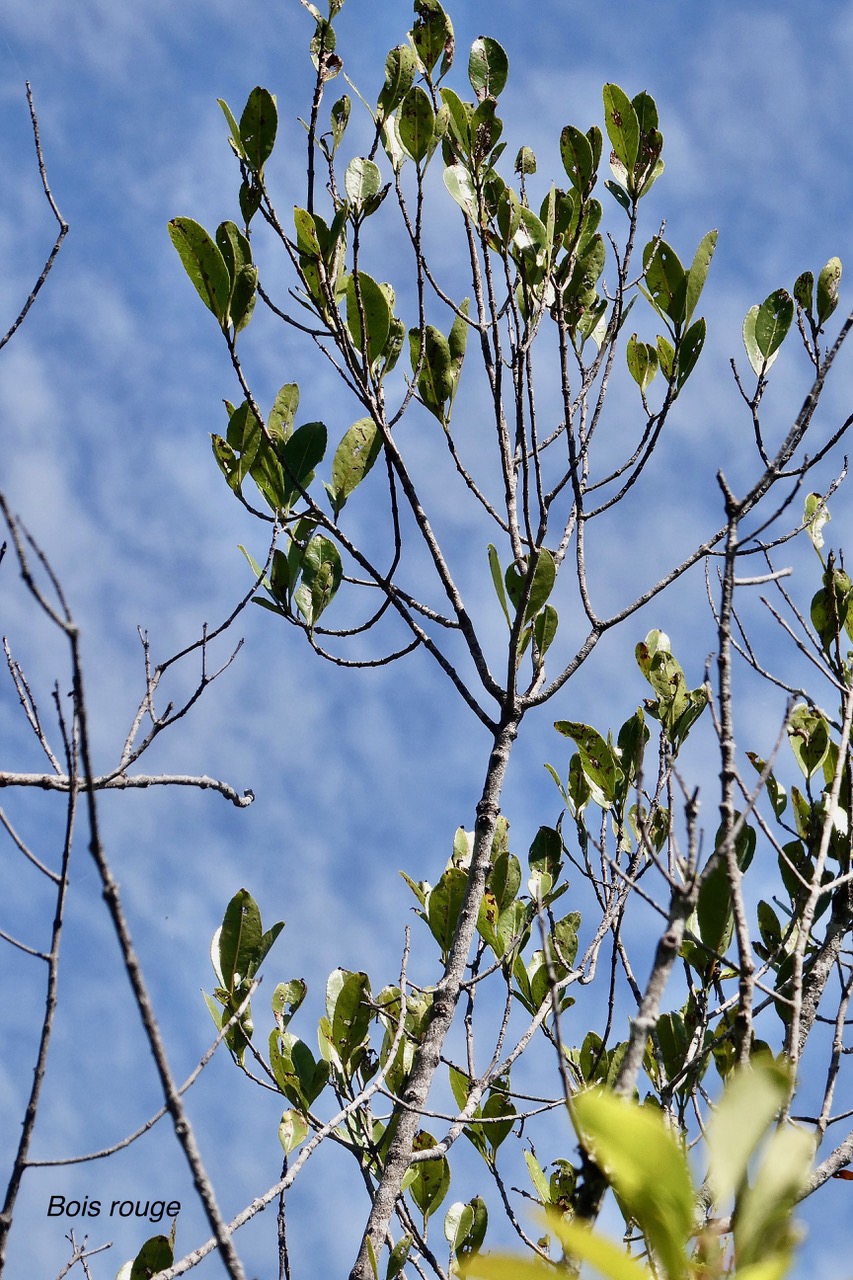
point(258, 125)
point(773, 322)
point(154, 1256)
point(299, 1077)
point(299, 455)
point(432, 36)
point(427, 1181)
point(666, 280)
point(576, 154)
point(804, 290)
point(416, 123)
point(689, 351)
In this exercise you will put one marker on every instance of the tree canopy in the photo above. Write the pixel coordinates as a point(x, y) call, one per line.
point(497, 488)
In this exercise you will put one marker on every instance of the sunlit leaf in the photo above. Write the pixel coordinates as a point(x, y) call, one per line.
point(488, 68)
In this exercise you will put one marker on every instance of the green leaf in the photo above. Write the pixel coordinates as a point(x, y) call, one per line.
point(428, 1181)
point(747, 1108)
point(240, 943)
point(714, 914)
point(443, 906)
point(773, 322)
point(762, 1224)
point(322, 573)
point(642, 361)
point(362, 182)
point(292, 1130)
point(235, 139)
point(283, 413)
point(808, 734)
point(300, 454)
point(804, 291)
point(598, 761)
point(546, 853)
point(756, 359)
point(306, 233)
point(457, 341)
point(459, 1227)
point(689, 351)
point(286, 999)
point(435, 379)
point(525, 161)
point(258, 125)
point(541, 586)
point(459, 183)
point(775, 791)
point(204, 264)
point(354, 456)
point(623, 127)
point(537, 1177)
point(154, 1256)
point(339, 116)
point(400, 69)
point(416, 124)
point(666, 357)
point(398, 1257)
point(666, 281)
point(545, 629)
point(488, 68)
point(605, 1256)
point(300, 1078)
point(227, 461)
point(698, 273)
point(348, 1012)
point(626, 1141)
point(432, 36)
point(832, 608)
point(578, 160)
point(828, 283)
point(500, 1111)
point(377, 314)
point(815, 516)
point(243, 297)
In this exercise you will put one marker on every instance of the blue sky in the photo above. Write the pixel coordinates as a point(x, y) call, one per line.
point(107, 399)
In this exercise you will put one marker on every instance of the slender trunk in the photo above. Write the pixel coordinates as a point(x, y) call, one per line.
point(446, 995)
